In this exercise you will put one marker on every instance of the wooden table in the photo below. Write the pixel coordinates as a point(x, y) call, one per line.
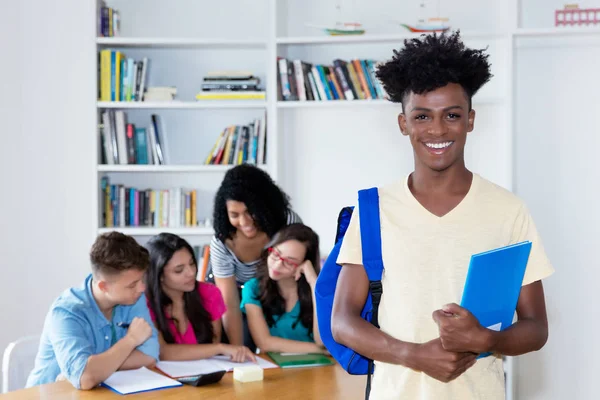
point(326, 383)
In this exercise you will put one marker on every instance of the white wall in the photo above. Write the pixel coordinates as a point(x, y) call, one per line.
point(556, 172)
point(47, 119)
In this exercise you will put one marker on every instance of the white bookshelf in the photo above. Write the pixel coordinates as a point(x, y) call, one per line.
point(303, 137)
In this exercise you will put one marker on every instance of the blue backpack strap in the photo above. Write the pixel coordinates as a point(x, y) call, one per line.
point(370, 238)
point(370, 233)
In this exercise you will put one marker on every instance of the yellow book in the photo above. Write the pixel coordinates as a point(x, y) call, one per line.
point(105, 75)
point(152, 206)
point(193, 205)
point(108, 222)
point(214, 148)
point(118, 80)
point(231, 96)
point(188, 210)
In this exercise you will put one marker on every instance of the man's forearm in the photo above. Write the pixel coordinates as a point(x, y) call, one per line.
point(136, 360)
point(352, 331)
point(522, 337)
point(101, 366)
point(232, 323)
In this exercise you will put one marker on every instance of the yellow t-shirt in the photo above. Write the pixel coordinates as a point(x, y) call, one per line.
point(426, 259)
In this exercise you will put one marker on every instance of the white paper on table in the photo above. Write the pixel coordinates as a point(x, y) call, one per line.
point(228, 365)
point(138, 380)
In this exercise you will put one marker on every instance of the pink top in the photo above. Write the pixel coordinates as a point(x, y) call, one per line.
point(212, 300)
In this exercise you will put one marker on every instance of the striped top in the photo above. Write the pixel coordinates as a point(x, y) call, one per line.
point(224, 263)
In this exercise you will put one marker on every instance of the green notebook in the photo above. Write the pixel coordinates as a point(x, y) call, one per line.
point(296, 360)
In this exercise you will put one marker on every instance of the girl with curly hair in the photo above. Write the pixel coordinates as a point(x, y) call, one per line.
point(280, 301)
point(249, 209)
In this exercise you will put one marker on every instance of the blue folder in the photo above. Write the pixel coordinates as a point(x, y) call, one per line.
point(493, 285)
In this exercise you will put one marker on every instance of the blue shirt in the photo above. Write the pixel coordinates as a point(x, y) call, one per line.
point(286, 325)
point(76, 329)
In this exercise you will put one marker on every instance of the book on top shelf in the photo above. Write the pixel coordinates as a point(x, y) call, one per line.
point(124, 143)
point(341, 80)
point(109, 20)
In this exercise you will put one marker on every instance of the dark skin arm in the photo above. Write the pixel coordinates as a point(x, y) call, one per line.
point(349, 329)
point(460, 330)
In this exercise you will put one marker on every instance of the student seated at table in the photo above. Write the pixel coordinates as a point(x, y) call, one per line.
point(186, 312)
point(280, 301)
point(102, 326)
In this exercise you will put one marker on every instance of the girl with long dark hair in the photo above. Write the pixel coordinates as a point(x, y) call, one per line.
point(187, 313)
point(280, 301)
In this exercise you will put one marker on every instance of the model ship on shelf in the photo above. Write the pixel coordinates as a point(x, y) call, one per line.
point(428, 24)
point(341, 28)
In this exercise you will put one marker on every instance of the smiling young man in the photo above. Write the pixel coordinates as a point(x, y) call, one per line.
point(431, 223)
point(102, 326)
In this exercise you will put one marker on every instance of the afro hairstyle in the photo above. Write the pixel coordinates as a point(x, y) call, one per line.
point(268, 205)
point(430, 62)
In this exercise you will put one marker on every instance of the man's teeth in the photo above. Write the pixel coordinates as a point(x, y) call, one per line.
point(438, 145)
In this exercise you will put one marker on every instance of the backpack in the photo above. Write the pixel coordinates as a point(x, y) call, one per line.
point(368, 208)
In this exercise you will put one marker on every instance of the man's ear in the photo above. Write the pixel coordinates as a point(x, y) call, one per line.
point(471, 121)
point(102, 285)
point(402, 124)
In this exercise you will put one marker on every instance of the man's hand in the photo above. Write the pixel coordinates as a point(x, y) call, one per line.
point(438, 363)
point(139, 331)
point(460, 331)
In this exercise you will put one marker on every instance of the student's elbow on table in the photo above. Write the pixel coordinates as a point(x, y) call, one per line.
point(87, 382)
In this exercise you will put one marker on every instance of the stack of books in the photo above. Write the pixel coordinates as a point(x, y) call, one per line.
point(231, 85)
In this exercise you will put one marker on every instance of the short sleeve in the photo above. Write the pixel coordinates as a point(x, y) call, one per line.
point(140, 309)
point(71, 342)
point(221, 262)
point(212, 299)
point(538, 265)
point(351, 249)
point(293, 218)
point(249, 294)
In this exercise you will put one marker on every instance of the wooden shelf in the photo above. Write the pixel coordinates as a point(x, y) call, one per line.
point(183, 105)
point(178, 42)
point(167, 168)
point(146, 231)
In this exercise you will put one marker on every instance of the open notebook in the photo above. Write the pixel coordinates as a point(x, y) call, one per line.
point(138, 380)
point(178, 369)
